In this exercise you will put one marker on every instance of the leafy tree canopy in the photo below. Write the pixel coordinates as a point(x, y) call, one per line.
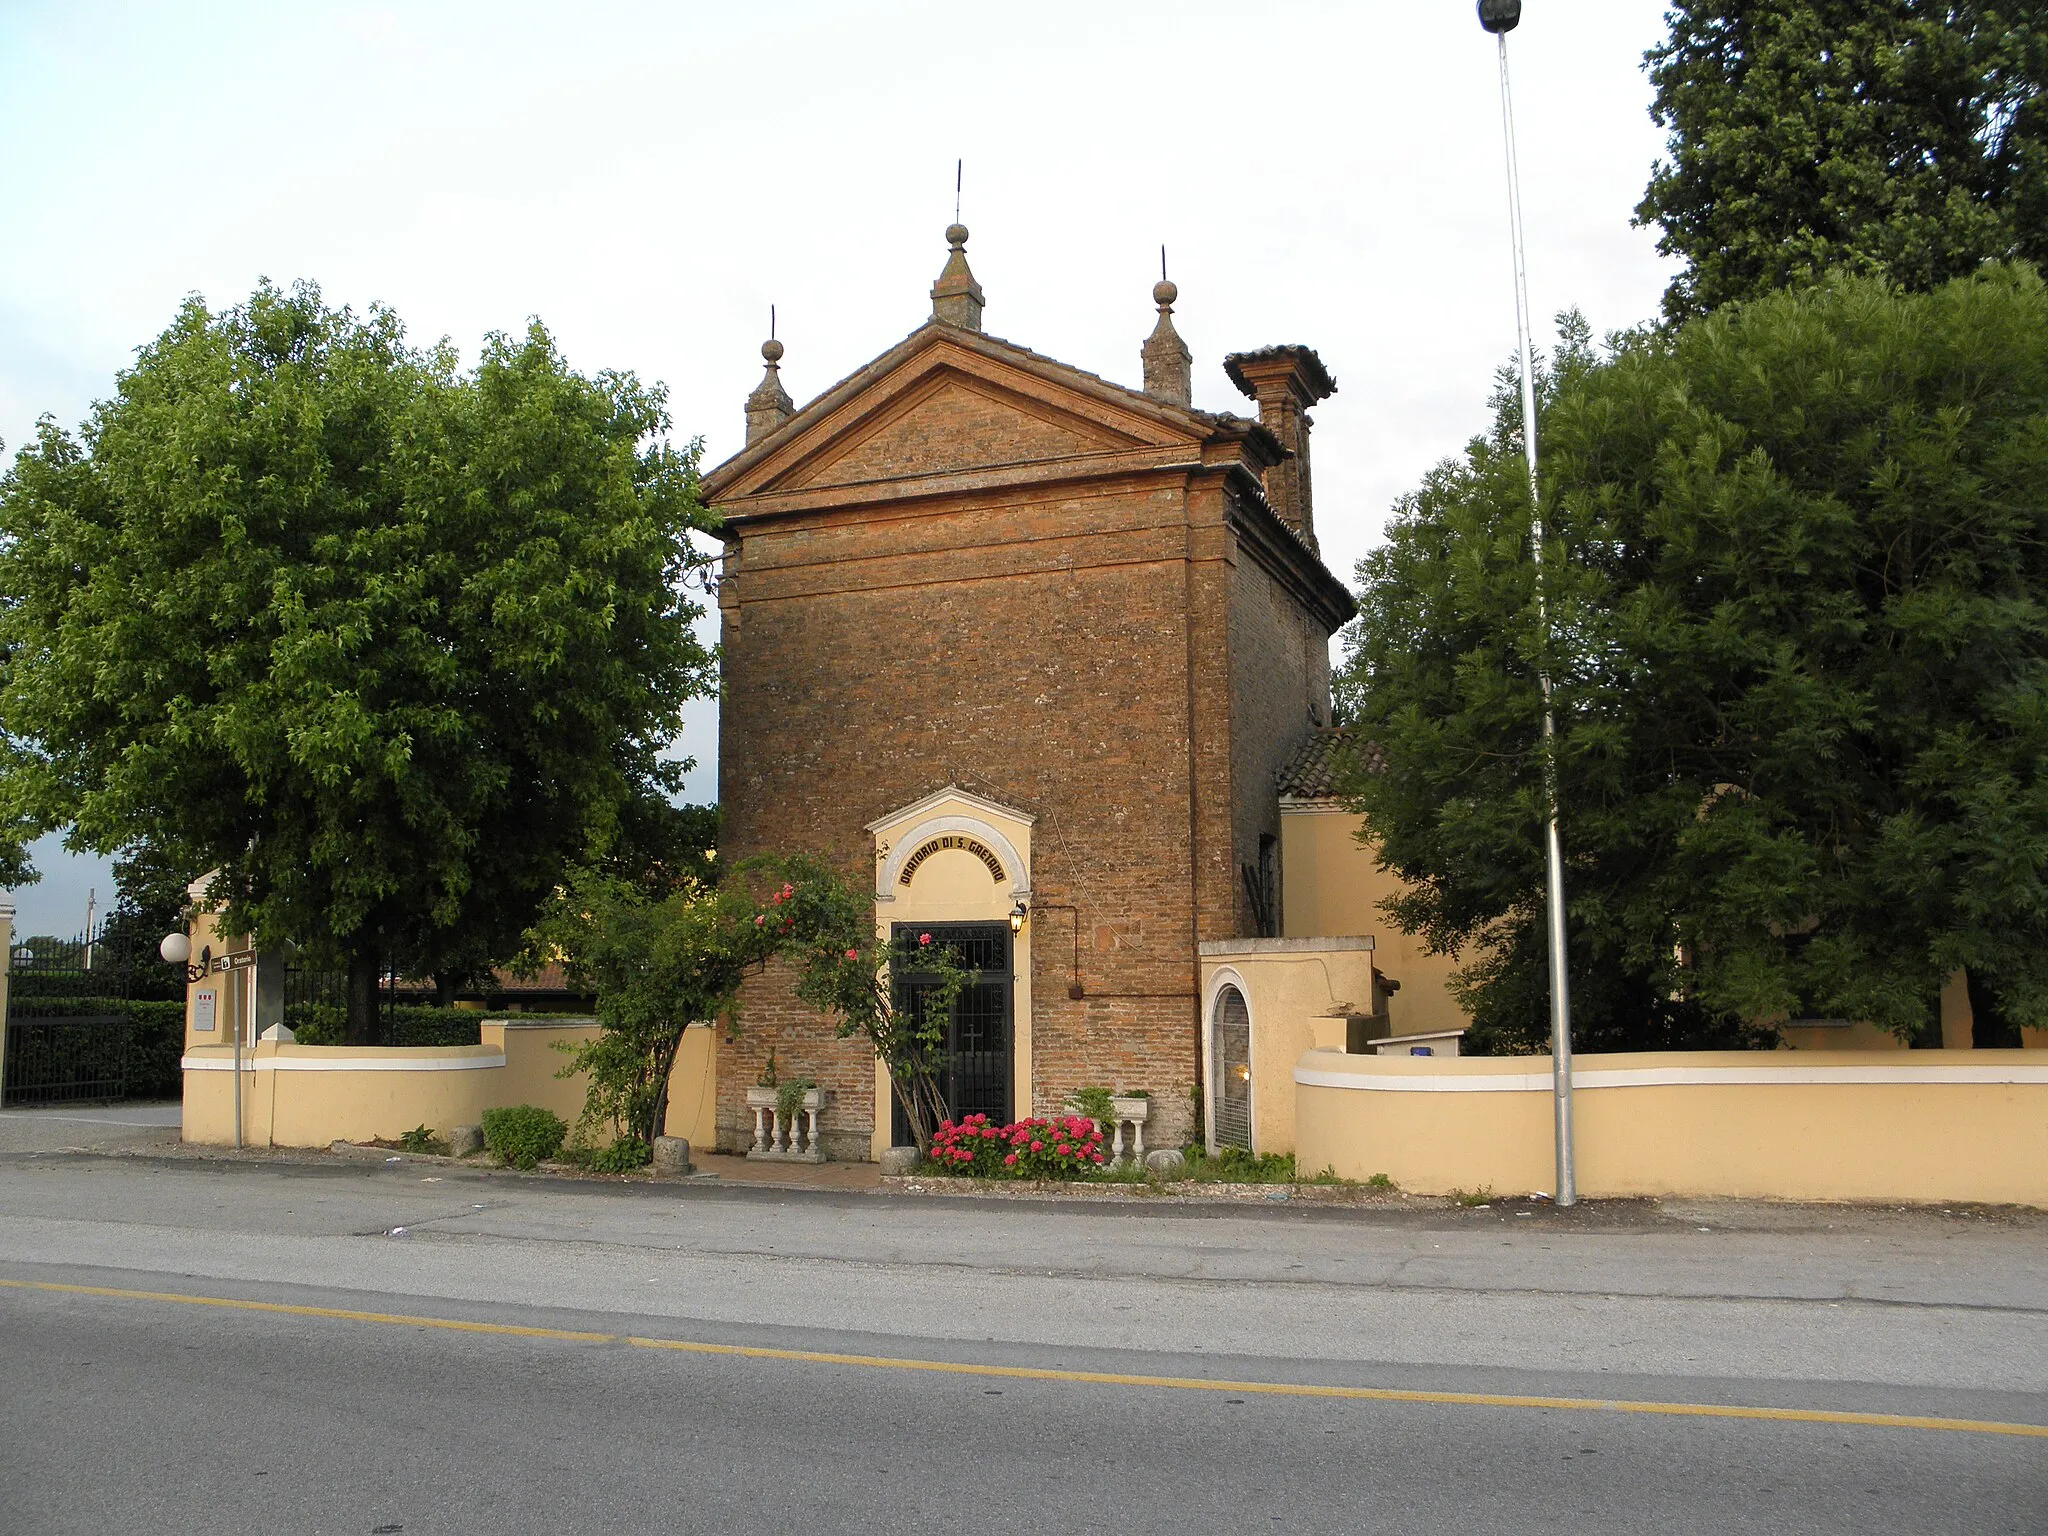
point(1798, 567)
point(664, 956)
point(1904, 138)
point(382, 643)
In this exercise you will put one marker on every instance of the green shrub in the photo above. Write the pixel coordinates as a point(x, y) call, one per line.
point(622, 1156)
point(422, 1139)
point(524, 1134)
point(1381, 1181)
point(1092, 1102)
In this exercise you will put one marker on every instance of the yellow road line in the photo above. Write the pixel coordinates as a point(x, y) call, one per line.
point(1095, 1378)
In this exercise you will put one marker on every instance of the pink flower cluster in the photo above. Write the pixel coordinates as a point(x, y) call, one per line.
point(787, 893)
point(1061, 1148)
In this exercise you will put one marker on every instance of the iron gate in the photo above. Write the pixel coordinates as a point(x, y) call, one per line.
point(1230, 1064)
point(974, 1075)
point(66, 1059)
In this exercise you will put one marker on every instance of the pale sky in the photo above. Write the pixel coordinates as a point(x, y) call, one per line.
point(647, 179)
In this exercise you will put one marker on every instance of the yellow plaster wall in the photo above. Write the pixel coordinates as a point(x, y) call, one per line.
point(1944, 1138)
point(531, 1062)
point(693, 1090)
point(1331, 883)
point(1291, 994)
point(954, 886)
point(311, 1095)
point(230, 988)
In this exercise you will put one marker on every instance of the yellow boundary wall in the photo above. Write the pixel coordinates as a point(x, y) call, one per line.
point(311, 1095)
point(1962, 1125)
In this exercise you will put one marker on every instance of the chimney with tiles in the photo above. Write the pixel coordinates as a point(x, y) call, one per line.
point(1286, 381)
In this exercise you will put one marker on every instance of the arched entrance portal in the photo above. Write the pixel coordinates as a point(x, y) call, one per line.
point(957, 866)
point(1230, 1069)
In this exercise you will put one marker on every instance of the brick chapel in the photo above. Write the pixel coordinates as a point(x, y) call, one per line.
point(1029, 649)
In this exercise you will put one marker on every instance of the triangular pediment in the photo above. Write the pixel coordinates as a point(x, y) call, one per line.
point(946, 401)
point(957, 421)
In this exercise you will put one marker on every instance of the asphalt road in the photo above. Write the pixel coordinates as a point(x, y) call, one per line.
point(238, 1348)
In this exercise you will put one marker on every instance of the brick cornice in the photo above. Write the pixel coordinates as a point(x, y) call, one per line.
point(1275, 546)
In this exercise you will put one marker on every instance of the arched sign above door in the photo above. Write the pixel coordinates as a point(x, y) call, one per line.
point(973, 846)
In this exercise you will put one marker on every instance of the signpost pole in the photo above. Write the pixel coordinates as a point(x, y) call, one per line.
point(240, 1015)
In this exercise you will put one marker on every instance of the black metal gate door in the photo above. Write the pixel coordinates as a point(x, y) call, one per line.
point(974, 1076)
point(64, 1060)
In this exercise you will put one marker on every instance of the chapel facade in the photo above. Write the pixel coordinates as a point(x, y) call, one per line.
point(1028, 650)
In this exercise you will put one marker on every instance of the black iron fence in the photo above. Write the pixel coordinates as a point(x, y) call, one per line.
point(112, 959)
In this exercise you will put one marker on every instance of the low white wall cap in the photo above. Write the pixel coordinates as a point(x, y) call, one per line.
point(1435, 1080)
point(345, 1064)
point(1287, 946)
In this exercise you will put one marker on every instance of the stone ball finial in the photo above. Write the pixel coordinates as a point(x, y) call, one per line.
point(772, 351)
point(956, 236)
point(1164, 293)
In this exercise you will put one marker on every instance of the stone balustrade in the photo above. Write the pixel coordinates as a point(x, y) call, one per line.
point(780, 1138)
point(1133, 1112)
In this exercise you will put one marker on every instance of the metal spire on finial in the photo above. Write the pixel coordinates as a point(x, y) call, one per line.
point(956, 296)
point(769, 406)
point(1169, 365)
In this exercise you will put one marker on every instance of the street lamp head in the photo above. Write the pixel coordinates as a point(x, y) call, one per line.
point(176, 948)
point(1500, 15)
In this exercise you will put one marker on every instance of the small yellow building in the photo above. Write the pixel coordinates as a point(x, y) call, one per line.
point(1331, 883)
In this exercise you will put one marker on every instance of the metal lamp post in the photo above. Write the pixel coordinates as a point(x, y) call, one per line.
point(1500, 17)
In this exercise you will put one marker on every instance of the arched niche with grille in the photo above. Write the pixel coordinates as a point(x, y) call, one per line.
point(1230, 1069)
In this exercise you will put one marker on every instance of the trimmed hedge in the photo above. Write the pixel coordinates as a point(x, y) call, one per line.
point(322, 1024)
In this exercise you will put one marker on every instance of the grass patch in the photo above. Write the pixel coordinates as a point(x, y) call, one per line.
point(1473, 1199)
point(1234, 1165)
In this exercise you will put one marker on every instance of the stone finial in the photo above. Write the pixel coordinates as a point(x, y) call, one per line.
point(769, 406)
point(1286, 381)
point(1169, 365)
point(956, 296)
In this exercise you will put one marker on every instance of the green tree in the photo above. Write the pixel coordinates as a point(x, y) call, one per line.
point(1903, 138)
point(381, 644)
point(659, 962)
point(897, 994)
point(1797, 560)
point(664, 958)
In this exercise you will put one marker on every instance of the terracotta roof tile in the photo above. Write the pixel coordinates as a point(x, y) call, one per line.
point(1317, 770)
